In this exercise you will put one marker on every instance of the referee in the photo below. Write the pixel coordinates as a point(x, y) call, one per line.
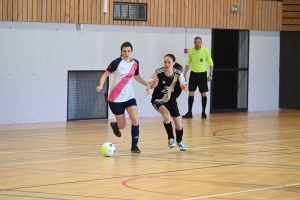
point(197, 58)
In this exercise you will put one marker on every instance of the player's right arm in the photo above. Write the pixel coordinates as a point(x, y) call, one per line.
point(110, 69)
point(102, 80)
point(187, 65)
point(153, 82)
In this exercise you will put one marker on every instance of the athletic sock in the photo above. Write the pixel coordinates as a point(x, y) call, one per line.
point(135, 132)
point(169, 130)
point(204, 100)
point(190, 101)
point(179, 134)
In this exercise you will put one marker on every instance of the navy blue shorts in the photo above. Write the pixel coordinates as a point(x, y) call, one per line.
point(198, 79)
point(118, 108)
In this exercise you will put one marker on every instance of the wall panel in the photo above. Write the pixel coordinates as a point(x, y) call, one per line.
point(49, 10)
point(44, 11)
point(4, 10)
point(14, 10)
point(291, 15)
point(57, 12)
point(25, 11)
point(252, 14)
point(1, 7)
point(9, 10)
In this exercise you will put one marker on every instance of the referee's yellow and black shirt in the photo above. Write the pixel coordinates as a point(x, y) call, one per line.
point(198, 59)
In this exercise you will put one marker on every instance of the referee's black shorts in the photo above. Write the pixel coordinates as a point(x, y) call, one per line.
point(198, 79)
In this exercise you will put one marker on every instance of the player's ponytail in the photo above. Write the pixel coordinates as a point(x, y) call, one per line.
point(178, 66)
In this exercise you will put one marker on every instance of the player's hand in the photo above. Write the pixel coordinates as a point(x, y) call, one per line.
point(99, 88)
point(184, 87)
point(148, 90)
point(209, 78)
point(154, 83)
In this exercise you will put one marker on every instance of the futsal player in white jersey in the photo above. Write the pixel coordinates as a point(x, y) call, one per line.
point(168, 82)
point(121, 92)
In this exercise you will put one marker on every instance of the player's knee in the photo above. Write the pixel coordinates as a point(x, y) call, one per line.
point(121, 125)
point(178, 126)
point(167, 116)
point(134, 122)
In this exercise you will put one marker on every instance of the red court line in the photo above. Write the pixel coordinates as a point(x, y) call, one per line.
point(124, 183)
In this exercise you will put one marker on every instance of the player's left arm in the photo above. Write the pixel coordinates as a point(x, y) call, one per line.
point(142, 81)
point(211, 66)
point(183, 84)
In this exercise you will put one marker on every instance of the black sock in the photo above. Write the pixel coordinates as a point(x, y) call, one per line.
point(135, 135)
point(179, 134)
point(169, 130)
point(204, 100)
point(191, 101)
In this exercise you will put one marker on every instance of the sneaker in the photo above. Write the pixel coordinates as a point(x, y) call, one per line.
point(135, 149)
point(115, 130)
point(181, 146)
point(203, 115)
point(188, 115)
point(171, 142)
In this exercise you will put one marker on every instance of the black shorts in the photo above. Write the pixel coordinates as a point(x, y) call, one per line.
point(118, 108)
point(198, 79)
point(170, 105)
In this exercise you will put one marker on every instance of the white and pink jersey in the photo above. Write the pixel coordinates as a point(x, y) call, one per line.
point(121, 74)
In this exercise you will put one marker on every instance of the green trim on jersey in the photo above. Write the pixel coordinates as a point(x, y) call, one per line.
point(198, 59)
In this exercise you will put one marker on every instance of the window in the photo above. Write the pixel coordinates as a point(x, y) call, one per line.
point(130, 11)
point(83, 101)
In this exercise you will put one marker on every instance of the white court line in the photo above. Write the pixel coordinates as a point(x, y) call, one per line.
point(244, 191)
point(34, 150)
point(43, 161)
point(233, 135)
point(79, 158)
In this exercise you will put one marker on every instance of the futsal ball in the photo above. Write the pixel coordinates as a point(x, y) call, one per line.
point(108, 149)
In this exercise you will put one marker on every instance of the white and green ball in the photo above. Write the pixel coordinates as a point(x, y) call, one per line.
point(108, 149)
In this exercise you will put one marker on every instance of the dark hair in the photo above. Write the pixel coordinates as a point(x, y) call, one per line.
point(171, 56)
point(176, 66)
point(196, 38)
point(126, 44)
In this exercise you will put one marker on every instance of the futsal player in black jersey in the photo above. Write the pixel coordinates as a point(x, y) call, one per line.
point(168, 82)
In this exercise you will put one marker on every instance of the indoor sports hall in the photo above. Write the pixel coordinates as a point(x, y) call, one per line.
point(53, 122)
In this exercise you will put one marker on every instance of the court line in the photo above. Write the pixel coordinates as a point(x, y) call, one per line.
point(79, 158)
point(243, 191)
point(122, 176)
point(34, 197)
point(51, 149)
point(89, 146)
point(72, 195)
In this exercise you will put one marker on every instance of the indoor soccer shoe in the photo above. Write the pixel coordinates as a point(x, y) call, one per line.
point(171, 143)
point(135, 149)
point(115, 130)
point(188, 115)
point(181, 146)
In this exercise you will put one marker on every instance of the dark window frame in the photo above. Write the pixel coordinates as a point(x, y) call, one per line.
point(103, 90)
point(128, 10)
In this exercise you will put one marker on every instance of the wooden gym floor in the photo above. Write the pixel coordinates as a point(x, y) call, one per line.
point(249, 156)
